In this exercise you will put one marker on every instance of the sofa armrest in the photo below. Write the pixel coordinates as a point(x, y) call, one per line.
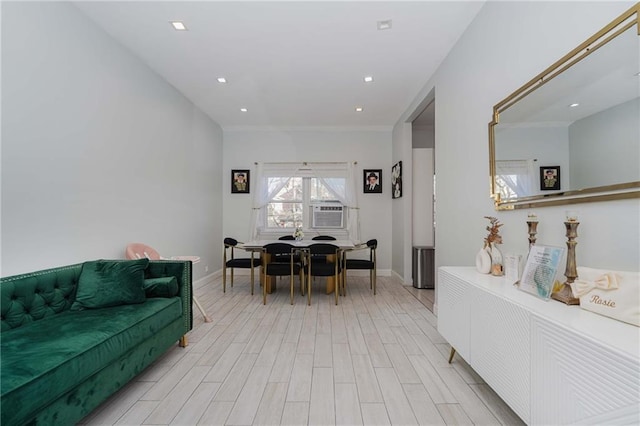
point(181, 269)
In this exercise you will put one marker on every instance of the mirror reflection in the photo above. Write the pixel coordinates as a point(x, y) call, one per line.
point(580, 130)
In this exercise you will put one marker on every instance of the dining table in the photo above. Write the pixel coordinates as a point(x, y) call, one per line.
point(270, 282)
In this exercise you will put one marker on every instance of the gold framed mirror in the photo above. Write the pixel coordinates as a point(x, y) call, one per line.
point(572, 133)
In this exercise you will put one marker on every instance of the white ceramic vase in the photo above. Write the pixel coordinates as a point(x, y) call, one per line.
point(483, 261)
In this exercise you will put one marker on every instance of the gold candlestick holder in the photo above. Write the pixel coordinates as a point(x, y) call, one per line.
point(533, 230)
point(565, 294)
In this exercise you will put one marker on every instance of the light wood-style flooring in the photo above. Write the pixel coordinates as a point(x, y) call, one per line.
point(371, 360)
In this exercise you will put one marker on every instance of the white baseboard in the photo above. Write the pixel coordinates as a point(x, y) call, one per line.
point(202, 280)
point(400, 278)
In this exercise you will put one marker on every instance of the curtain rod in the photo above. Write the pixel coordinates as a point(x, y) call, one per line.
point(304, 163)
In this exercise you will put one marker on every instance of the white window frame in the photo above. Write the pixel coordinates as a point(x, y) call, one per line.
point(307, 208)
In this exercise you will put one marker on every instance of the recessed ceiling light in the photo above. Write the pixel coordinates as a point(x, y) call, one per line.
point(359, 109)
point(384, 25)
point(368, 79)
point(574, 105)
point(637, 74)
point(243, 110)
point(222, 80)
point(178, 26)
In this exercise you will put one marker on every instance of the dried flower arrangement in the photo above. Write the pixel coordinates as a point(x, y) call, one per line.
point(494, 232)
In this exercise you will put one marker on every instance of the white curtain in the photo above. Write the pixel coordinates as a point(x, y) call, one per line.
point(338, 178)
point(267, 188)
point(516, 177)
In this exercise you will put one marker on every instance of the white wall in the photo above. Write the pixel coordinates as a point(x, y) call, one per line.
point(506, 45)
point(422, 197)
point(371, 148)
point(423, 136)
point(98, 150)
point(423, 142)
point(402, 208)
point(604, 147)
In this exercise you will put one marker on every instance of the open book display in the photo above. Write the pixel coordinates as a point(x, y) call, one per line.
point(540, 271)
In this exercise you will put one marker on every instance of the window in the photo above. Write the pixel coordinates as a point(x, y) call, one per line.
point(506, 185)
point(290, 207)
point(285, 194)
point(285, 208)
point(514, 178)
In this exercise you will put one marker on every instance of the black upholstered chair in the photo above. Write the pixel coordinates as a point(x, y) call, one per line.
point(296, 257)
point(278, 259)
point(319, 257)
point(362, 264)
point(329, 267)
point(230, 261)
point(324, 238)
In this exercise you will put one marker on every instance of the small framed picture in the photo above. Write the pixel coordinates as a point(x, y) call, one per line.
point(372, 181)
point(396, 180)
point(550, 178)
point(240, 181)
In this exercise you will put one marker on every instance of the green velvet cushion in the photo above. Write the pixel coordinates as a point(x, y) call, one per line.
point(46, 359)
point(105, 283)
point(161, 287)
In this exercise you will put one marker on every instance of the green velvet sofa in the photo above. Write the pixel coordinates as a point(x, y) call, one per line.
point(58, 363)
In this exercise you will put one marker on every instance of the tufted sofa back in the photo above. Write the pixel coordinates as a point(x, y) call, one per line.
point(31, 297)
point(36, 295)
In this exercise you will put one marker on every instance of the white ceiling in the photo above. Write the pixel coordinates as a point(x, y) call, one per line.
point(605, 78)
point(291, 64)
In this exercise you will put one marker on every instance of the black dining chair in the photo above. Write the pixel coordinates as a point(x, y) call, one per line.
point(329, 267)
point(362, 264)
point(278, 260)
point(230, 261)
point(296, 257)
point(321, 258)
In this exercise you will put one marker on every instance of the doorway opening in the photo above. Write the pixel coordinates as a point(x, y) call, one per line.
point(423, 195)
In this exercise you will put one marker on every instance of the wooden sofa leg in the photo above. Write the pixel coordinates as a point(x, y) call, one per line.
point(183, 342)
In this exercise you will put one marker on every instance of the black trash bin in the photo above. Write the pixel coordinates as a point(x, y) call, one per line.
point(423, 270)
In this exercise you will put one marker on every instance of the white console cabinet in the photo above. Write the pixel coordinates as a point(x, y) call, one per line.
point(551, 363)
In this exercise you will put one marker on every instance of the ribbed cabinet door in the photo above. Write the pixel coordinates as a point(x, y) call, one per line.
point(577, 380)
point(500, 349)
point(453, 311)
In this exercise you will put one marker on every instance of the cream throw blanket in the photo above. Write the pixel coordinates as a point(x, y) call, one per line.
point(615, 294)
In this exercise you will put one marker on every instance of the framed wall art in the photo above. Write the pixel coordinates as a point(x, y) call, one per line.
point(396, 180)
point(550, 178)
point(372, 181)
point(240, 181)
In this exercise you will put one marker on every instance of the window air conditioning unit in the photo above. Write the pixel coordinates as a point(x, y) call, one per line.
point(328, 215)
